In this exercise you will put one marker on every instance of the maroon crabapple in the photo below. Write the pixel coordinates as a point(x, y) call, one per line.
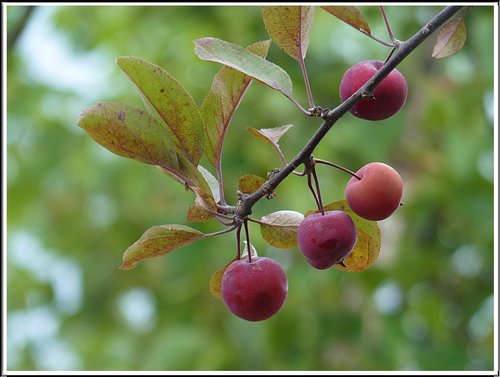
point(388, 97)
point(254, 290)
point(377, 194)
point(326, 239)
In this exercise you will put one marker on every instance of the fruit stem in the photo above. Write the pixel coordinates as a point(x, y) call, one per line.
point(320, 161)
point(318, 191)
point(238, 241)
point(249, 246)
point(310, 171)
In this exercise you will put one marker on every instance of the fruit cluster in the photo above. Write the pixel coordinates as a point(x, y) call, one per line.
point(256, 288)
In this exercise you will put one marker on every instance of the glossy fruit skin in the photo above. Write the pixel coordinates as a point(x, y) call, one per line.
point(254, 290)
point(326, 239)
point(388, 97)
point(378, 194)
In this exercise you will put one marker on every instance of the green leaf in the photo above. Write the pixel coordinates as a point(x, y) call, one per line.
point(215, 282)
point(198, 212)
point(289, 27)
point(171, 101)
point(279, 229)
point(212, 183)
point(253, 251)
point(133, 133)
point(157, 241)
point(367, 247)
point(218, 107)
point(250, 183)
point(350, 15)
point(450, 39)
point(272, 136)
point(235, 56)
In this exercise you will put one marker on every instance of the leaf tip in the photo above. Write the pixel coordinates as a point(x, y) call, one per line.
point(127, 266)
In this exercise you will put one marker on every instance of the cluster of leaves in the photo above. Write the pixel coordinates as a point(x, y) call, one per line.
point(173, 133)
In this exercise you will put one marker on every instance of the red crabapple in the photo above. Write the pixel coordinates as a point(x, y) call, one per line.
point(388, 97)
point(377, 194)
point(254, 290)
point(326, 239)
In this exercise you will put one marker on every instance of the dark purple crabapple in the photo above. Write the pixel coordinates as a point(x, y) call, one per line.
point(326, 239)
point(388, 97)
point(254, 290)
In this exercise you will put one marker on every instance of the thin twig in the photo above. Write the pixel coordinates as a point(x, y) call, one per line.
point(320, 161)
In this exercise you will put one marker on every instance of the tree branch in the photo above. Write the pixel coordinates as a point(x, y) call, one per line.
point(331, 117)
point(17, 31)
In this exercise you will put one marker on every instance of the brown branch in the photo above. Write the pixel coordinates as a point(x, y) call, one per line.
point(16, 33)
point(330, 118)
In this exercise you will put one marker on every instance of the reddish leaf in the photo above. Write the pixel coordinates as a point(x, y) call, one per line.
point(157, 241)
point(170, 101)
point(289, 27)
point(450, 39)
point(197, 213)
point(250, 183)
point(350, 15)
point(218, 107)
point(133, 133)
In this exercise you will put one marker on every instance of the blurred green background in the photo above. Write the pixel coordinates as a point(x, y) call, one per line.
point(73, 207)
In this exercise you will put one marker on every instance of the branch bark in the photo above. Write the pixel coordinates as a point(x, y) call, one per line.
point(18, 30)
point(244, 208)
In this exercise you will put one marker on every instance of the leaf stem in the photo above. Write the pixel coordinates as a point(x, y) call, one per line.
point(221, 232)
point(306, 112)
point(387, 44)
point(221, 182)
point(306, 82)
point(395, 42)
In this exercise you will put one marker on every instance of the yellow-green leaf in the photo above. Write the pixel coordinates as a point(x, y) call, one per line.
point(450, 39)
point(157, 241)
point(253, 65)
point(250, 183)
point(133, 133)
point(215, 282)
point(367, 247)
point(279, 229)
point(289, 27)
